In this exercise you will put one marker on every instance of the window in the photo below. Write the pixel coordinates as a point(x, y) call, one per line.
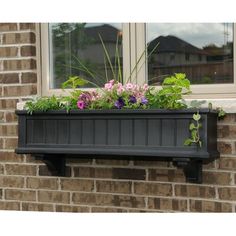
point(205, 52)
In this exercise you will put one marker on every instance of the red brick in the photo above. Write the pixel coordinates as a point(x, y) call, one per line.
point(21, 195)
point(16, 38)
point(227, 131)
point(229, 118)
point(224, 147)
point(42, 183)
point(66, 208)
point(167, 204)
point(170, 175)
point(113, 186)
point(108, 210)
point(29, 206)
point(112, 162)
point(44, 171)
point(29, 77)
point(90, 172)
point(227, 193)
point(11, 182)
point(216, 178)
point(108, 200)
point(18, 169)
point(77, 185)
point(11, 117)
point(156, 189)
point(209, 206)
point(20, 90)
point(227, 163)
point(10, 157)
point(8, 103)
point(24, 64)
point(152, 163)
point(27, 51)
point(27, 26)
point(5, 205)
point(8, 130)
point(8, 51)
point(53, 196)
point(195, 191)
point(11, 143)
point(8, 27)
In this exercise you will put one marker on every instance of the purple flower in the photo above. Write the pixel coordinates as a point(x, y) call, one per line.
point(119, 103)
point(132, 99)
point(144, 101)
point(81, 105)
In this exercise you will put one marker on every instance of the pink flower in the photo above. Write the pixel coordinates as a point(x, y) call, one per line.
point(145, 87)
point(80, 104)
point(129, 86)
point(112, 82)
point(108, 86)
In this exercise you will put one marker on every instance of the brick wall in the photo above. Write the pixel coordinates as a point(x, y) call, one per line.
point(97, 185)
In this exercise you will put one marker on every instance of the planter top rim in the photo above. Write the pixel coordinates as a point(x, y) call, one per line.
point(122, 111)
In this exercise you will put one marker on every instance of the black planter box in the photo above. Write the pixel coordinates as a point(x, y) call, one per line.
point(137, 134)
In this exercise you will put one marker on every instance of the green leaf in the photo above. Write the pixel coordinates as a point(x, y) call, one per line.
point(200, 143)
point(188, 142)
point(192, 126)
point(196, 117)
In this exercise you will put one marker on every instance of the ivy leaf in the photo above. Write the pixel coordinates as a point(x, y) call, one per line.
point(191, 126)
point(188, 142)
point(196, 117)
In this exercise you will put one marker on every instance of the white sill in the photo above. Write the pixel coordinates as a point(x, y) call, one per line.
point(227, 104)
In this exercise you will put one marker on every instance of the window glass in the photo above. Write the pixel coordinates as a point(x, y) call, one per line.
point(204, 51)
point(76, 50)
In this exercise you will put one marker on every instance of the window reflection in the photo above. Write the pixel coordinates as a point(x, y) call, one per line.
point(75, 49)
point(203, 51)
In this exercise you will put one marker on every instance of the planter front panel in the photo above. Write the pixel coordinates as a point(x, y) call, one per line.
point(139, 133)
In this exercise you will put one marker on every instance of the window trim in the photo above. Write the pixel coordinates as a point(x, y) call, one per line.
point(45, 59)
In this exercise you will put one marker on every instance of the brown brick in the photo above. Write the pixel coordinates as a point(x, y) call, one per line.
point(1, 169)
point(112, 162)
point(17, 169)
point(15, 38)
point(20, 90)
point(8, 27)
point(108, 200)
point(66, 208)
point(113, 186)
point(219, 178)
point(1, 144)
point(29, 77)
point(11, 117)
point(21, 195)
point(26, 26)
point(209, 206)
point(29, 206)
point(167, 204)
point(11, 157)
point(227, 193)
point(152, 163)
point(156, 189)
point(42, 183)
point(25, 64)
point(77, 185)
point(11, 143)
point(90, 172)
point(229, 118)
point(227, 131)
point(86, 160)
point(227, 163)
point(224, 147)
point(53, 196)
point(195, 191)
point(171, 175)
point(0, 193)
point(8, 103)
point(125, 173)
point(108, 210)
point(1, 116)
point(8, 130)
point(27, 51)
point(9, 205)
point(8, 51)
point(11, 181)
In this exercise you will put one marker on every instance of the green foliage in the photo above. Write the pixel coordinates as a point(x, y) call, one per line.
point(194, 130)
point(221, 112)
point(45, 104)
point(170, 96)
point(74, 82)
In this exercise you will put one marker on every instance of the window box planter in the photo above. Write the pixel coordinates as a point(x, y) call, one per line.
point(137, 134)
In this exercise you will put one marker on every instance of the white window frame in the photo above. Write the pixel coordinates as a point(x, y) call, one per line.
point(134, 44)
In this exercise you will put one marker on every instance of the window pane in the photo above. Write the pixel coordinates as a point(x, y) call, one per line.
point(76, 50)
point(203, 51)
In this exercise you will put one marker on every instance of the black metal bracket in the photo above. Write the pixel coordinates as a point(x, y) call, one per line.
point(56, 163)
point(192, 169)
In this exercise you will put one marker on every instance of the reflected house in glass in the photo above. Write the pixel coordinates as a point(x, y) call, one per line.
point(202, 65)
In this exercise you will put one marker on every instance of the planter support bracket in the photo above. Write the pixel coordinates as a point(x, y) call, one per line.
point(192, 169)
